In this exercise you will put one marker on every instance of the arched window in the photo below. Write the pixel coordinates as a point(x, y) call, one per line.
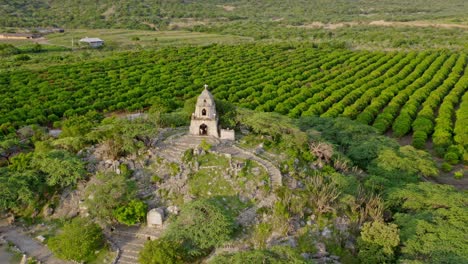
point(204, 100)
point(203, 112)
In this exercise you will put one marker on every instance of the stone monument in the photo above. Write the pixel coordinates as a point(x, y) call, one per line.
point(204, 120)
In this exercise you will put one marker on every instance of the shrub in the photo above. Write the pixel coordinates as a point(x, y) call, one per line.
point(451, 157)
point(22, 57)
point(161, 251)
point(273, 255)
point(446, 167)
point(419, 139)
point(378, 242)
point(155, 179)
point(458, 174)
point(205, 145)
point(78, 241)
point(131, 213)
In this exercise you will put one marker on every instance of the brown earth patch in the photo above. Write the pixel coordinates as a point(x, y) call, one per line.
point(186, 23)
point(228, 8)
point(381, 23)
point(416, 24)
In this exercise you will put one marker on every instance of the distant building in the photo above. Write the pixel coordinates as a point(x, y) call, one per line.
point(205, 120)
point(18, 36)
point(92, 42)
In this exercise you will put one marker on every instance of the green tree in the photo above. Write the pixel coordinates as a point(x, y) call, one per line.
point(432, 219)
point(61, 167)
point(201, 226)
point(8, 147)
point(106, 193)
point(78, 240)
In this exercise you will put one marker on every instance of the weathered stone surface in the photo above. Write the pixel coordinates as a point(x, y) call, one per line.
point(321, 250)
point(326, 232)
point(173, 209)
point(155, 217)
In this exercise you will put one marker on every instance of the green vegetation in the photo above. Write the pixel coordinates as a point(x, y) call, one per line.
point(275, 255)
point(346, 22)
point(132, 213)
point(201, 226)
point(315, 88)
point(161, 251)
point(108, 196)
point(385, 89)
point(78, 241)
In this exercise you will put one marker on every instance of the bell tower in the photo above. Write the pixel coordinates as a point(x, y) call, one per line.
point(204, 120)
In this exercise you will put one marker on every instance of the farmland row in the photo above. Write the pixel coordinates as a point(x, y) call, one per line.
point(390, 90)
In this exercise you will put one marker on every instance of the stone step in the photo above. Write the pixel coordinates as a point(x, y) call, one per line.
point(131, 246)
point(136, 243)
point(126, 262)
point(128, 256)
point(130, 253)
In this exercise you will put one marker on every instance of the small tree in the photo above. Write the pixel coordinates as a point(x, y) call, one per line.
point(62, 168)
point(201, 226)
point(107, 193)
point(78, 240)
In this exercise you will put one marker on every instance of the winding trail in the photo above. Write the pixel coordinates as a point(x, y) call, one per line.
point(29, 246)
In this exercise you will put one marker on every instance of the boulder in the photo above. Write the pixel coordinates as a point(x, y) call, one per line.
point(173, 210)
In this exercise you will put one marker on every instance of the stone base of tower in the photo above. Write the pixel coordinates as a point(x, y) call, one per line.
point(202, 127)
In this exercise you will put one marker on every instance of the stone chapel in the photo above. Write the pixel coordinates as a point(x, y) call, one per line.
point(204, 120)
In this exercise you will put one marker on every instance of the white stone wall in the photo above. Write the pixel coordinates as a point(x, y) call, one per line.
point(212, 127)
point(228, 134)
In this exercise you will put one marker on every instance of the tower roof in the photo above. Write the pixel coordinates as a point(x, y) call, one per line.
point(205, 98)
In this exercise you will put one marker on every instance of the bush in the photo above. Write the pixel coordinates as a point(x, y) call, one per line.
point(22, 57)
point(131, 213)
point(155, 179)
point(446, 167)
point(274, 255)
point(458, 174)
point(378, 242)
point(161, 251)
point(419, 139)
point(451, 157)
point(78, 241)
point(205, 145)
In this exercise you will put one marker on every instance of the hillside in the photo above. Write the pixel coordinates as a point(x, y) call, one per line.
point(365, 23)
point(287, 190)
point(135, 14)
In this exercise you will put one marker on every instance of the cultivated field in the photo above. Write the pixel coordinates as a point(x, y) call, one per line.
point(415, 93)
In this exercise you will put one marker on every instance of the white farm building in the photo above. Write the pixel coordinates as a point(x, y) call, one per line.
point(92, 42)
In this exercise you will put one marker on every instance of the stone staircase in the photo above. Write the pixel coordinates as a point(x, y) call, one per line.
point(273, 171)
point(131, 240)
point(174, 147)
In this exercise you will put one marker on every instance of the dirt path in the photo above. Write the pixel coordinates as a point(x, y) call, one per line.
point(382, 23)
point(30, 246)
point(5, 256)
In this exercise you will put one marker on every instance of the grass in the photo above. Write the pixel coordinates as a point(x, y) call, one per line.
point(122, 39)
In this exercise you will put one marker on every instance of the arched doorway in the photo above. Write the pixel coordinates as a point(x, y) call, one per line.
point(203, 130)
